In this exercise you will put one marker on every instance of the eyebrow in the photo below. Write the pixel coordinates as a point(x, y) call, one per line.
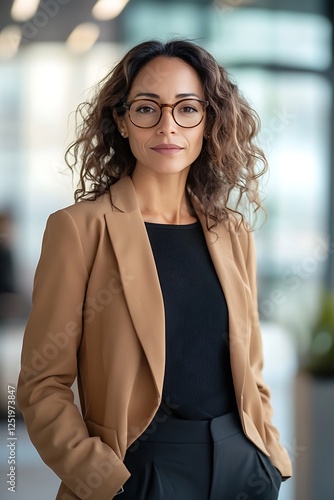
point(156, 96)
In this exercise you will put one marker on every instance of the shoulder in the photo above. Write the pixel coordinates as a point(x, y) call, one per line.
point(241, 237)
point(86, 210)
point(239, 229)
point(120, 197)
point(77, 229)
point(83, 216)
point(83, 220)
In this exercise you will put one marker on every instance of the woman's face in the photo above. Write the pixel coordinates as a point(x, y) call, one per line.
point(167, 147)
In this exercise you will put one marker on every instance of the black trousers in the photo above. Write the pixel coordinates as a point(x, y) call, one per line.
point(176, 459)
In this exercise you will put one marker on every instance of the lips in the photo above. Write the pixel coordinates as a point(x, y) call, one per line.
point(167, 149)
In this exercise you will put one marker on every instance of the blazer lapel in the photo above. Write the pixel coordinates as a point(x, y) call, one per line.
point(221, 251)
point(139, 275)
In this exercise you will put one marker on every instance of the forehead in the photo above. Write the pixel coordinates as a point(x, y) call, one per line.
point(167, 76)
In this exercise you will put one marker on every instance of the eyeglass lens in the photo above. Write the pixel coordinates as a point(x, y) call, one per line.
point(146, 113)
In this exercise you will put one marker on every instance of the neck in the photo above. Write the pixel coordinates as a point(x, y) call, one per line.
point(162, 197)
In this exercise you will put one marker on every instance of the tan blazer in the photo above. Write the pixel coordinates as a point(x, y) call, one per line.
point(98, 315)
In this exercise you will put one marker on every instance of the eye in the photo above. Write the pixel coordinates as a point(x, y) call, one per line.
point(189, 109)
point(145, 110)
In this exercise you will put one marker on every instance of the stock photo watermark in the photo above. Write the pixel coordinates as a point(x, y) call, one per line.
point(294, 277)
point(47, 10)
point(11, 438)
point(225, 6)
point(278, 123)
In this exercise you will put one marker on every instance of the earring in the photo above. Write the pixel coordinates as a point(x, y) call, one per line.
point(123, 134)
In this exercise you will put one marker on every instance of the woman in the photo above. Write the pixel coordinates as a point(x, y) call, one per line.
point(146, 292)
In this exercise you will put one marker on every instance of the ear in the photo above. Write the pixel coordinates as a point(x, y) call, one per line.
point(206, 134)
point(121, 124)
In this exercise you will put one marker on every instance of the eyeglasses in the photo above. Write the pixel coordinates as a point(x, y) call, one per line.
point(147, 113)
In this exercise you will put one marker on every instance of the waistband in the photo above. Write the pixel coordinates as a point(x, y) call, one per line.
point(170, 429)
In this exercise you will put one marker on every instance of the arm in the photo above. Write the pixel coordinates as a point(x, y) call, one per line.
point(49, 368)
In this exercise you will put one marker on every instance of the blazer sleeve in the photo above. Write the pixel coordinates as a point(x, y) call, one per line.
point(49, 368)
point(277, 452)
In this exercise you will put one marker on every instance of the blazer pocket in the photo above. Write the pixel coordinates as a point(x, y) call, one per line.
point(107, 435)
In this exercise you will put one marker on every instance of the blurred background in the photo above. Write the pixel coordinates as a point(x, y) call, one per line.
point(280, 53)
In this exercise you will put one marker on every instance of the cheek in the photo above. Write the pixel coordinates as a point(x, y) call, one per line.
point(196, 142)
point(137, 145)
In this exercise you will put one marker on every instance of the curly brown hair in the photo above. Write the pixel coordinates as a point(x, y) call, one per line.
point(225, 174)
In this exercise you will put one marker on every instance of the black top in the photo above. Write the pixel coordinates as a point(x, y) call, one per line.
point(198, 381)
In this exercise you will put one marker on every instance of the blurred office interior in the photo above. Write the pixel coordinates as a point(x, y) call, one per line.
point(280, 53)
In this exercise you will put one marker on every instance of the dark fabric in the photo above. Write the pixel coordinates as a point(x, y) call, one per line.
point(177, 459)
point(198, 381)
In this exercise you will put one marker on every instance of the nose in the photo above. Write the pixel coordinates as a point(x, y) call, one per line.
point(166, 124)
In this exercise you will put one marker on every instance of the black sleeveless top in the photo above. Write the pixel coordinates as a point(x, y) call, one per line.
point(198, 381)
